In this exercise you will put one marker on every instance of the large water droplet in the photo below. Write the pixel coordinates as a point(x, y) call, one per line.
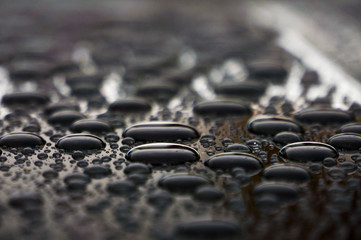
point(287, 173)
point(129, 106)
point(245, 90)
point(304, 152)
point(25, 201)
point(65, 117)
point(182, 183)
point(25, 99)
point(228, 161)
point(346, 142)
point(161, 132)
point(97, 171)
point(324, 116)
point(80, 142)
point(208, 194)
point(57, 107)
point(92, 126)
point(270, 126)
point(222, 108)
point(282, 192)
point(284, 138)
point(162, 153)
point(350, 128)
point(121, 187)
point(21, 139)
point(237, 147)
point(137, 168)
point(76, 181)
point(158, 90)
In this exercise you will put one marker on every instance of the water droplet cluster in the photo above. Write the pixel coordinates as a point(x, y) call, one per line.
point(166, 127)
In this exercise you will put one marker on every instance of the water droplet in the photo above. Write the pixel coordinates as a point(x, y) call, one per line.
point(121, 187)
point(161, 132)
point(86, 91)
point(270, 126)
point(315, 168)
point(349, 167)
point(237, 147)
point(57, 107)
point(329, 162)
point(254, 145)
point(77, 79)
point(159, 91)
point(245, 90)
point(282, 192)
point(19, 140)
point(137, 168)
point(80, 142)
point(287, 173)
point(162, 153)
point(92, 126)
point(337, 174)
point(222, 108)
point(160, 199)
point(129, 106)
point(350, 128)
point(228, 161)
point(50, 174)
point(65, 117)
point(284, 138)
point(111, 137)
point(267, 70)
point(76, 179)
point(78, 155)
point(304, 152)
point(25, 201)
point(25, 99)
point(42, 156)
point(346, 142)
point(97, 171)
point(182, 183)
point(208, 194)
point(324, 116)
